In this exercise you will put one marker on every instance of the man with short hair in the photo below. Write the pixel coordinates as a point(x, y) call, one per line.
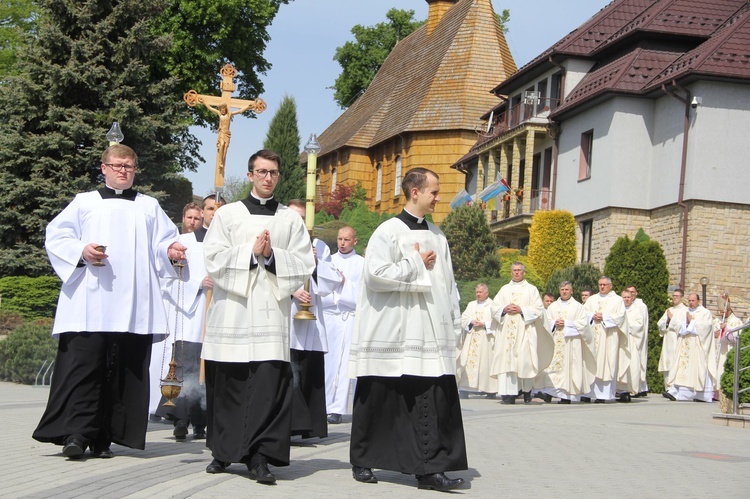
point(585, 293)
point(606, 312)
point(338, 309)
point(722, 344)
point(521, 352)
point(475, 356)
point(109, 248)
point(258, 253)
point(642, 343)
point(689, 378)
point(573, 368)
point(669, 325)
point(630, 369)
point(407, 412)
point(211, 203)
point(309, 342)
point(192, 218)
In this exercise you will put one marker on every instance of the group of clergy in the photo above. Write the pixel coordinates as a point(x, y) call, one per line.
point(519, 345)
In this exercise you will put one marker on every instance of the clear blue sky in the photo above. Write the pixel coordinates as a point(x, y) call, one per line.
point(304, 37)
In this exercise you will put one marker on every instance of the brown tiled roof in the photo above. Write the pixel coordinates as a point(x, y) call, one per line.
point(435, 82)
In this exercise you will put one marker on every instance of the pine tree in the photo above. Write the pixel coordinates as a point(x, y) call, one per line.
point(283, 138)
point(472, 244)
point(87, 67)
point(641, 263)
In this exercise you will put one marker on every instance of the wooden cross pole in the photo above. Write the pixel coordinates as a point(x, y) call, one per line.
point(224, 107)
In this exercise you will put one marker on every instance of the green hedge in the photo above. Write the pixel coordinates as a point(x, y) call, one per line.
point(32, 297)
point(727, 379)
point(24, 351)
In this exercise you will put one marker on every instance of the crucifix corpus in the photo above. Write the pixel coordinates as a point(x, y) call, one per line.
point(224, 107)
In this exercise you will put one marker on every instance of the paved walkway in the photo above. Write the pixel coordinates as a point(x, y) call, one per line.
point(648, 448)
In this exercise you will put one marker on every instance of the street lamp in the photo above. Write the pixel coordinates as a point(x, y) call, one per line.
point(114, 135)
point(704, 284)
point(312, 148)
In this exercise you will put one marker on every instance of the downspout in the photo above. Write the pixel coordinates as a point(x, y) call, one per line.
point(683, 167)
point(556, 136)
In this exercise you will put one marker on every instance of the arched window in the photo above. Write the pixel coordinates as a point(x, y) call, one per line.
point(379, 185)
point(397, 189)
point(334, 179)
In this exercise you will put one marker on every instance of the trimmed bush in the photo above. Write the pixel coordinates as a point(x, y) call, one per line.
point(466, 289)
point(32, 297)
point(552, 241)
point(25, 350)
point(727, 378)
point(473, 247)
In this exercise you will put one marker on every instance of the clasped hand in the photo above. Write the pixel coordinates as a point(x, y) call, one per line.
point(262, 244)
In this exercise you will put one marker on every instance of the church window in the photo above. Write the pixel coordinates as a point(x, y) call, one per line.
point(587, 149)
point(379, 185)
point(397, 189)
point(334, 179)
point(587, 227)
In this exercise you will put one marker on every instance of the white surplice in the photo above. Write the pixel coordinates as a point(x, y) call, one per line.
point(408, 317)
point(124, 295)
point(630, 368)
point(643, 344)
point(248, 319)
point(521, 353)
point(721, 346)
point(572, 370)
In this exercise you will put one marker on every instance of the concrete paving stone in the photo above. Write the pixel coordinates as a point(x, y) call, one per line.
point(648, 448)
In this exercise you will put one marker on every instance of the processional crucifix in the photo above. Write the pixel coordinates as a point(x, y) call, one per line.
point(223, 107)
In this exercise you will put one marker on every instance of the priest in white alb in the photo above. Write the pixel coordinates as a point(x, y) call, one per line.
point(572, 370)
point(722, 344)
point(407, 412)
point(689, 378)
point(630, 368)
point(606, 312)
point(642, 343)
point(258, 253)
point(669, 326)
point(109, 247)
point(475, 356)
point(521, 352)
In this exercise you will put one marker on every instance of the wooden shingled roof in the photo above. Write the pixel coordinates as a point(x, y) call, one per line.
point(440, 81)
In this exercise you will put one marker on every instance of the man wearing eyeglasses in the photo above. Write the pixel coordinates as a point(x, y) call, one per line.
point(109, 247)
point(258, 253)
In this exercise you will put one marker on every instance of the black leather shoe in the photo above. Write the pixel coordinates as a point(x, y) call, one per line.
point(261, 474)
point(180, 430)
point(334, 418)
point(526, 397)
point(74, 447)
point(563, 401)
point(625, 397)
point(105, 453)
point(600, 401)
point(586, 400)
point(507, 399)
point(492, 396)
point(199, 433)
point(364, 475)
point(669, 396)
point(217, 466)
point(438, 481)
point(545, 396)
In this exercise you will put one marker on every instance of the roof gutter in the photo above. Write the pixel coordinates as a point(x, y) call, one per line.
point(683, 167)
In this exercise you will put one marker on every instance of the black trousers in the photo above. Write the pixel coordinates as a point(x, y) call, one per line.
point(309, 394)
point(249, 411)
point(410, 424)
point(99, 390)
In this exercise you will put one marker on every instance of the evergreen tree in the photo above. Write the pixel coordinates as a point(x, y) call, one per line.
point(87, 67)
point(283, 138)
point(16, 19)
point(584, 275)
point(473, 247)
point(641, 263)
point(552, 241)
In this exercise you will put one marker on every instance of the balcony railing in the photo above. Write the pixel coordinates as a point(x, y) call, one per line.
point(513, 204)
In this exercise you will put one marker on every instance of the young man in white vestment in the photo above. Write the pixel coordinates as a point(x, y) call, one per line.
point(186, 311)
point(523, 348)
point(109, 248)
point(722, 344)
point(308, 343)
point(642, 345)
point(573, 368)
point(258, 253)
point(606, 312)
point(475, 356)
point(630, 367)
point(689, 377)
point(669, 326)
point(407, 413)
point(338, 309)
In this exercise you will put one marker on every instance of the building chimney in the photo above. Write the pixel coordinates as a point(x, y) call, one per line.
point(437, 9)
